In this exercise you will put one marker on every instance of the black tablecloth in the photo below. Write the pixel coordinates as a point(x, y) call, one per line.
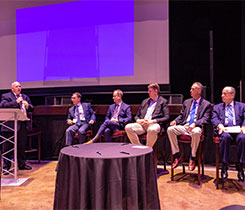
point(106, 176)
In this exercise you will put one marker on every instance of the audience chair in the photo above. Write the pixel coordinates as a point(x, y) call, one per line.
point(216, 140)
point(34, 134)
point(183, 140)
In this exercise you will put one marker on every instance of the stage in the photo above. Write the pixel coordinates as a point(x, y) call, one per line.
point(38, 191)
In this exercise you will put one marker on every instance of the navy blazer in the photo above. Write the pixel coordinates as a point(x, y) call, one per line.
point(124, 115)
point(219, 114)
point(88, 112)
point(203, 112)
point(160, 114)
point(9, 101)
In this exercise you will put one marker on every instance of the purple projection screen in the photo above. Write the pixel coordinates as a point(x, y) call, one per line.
point(80, 39)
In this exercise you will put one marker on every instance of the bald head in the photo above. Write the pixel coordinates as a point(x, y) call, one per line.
point(228, 94)
point(16, 87)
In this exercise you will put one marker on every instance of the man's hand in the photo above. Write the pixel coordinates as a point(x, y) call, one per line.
point(69, 122)
point(243, 130)
point(148, 122)
point(91, 122)
point(191, 126)
point(172, 123)
point(26, 104)
point(19, 99)
point(140, 121)
point(221, 129)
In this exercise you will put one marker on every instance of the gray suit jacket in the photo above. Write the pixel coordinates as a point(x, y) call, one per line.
point(160, 114)
point(203, 112)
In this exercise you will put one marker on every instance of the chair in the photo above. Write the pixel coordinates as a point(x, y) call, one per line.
point(116, 134)
point(155, 147)
point(216, 140)
point(35, 131)
point(89, 134)
point(185, 139)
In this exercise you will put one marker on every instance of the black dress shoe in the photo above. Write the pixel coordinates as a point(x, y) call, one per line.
point(25, 167)
point(240, 173)
point(224, 171)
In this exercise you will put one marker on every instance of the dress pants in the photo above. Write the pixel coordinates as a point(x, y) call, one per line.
point(135, 129)
point(107, 128)
point(21, 146)
point(81, 130)
point(176, 130)
point(224, 146)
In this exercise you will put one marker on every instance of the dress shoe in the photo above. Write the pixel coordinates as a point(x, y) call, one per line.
point(224, 171)
point(176, 162)
point(25, 167)
point(240, 173)
point(192, 165)
point(89, 142)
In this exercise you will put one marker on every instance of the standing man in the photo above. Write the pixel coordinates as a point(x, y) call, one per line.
point(153, 110)
point(228, 114)
point(16, 99)
point(80, 117)
point(117, 116)
point(194, 113)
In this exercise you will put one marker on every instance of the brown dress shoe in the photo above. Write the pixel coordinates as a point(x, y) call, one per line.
point(192, 165)
point(176, 163)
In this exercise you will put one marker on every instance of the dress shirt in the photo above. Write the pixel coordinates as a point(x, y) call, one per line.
point(151, 108)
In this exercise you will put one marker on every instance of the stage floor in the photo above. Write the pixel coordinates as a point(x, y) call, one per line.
point(38, 191)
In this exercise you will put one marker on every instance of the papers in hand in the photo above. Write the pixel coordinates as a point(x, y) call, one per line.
point(233, 129)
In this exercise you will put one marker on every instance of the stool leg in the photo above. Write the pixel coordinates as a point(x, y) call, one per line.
point(217, 166)
point(39, 147)
point(172, 170)
point(199, 161)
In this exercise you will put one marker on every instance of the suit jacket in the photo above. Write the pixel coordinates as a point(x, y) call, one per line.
point(203, 112)
point(124, 115)
point(160, 114)
point(9, 101)
point(88, 112)
point(219, 114)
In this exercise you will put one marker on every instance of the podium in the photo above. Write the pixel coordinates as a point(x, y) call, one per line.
point(15, 115)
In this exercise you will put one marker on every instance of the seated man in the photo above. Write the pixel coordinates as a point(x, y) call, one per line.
point(195, 112)
point(80, 116)
point(228, 114)
point(117, 115)
point(153, 110)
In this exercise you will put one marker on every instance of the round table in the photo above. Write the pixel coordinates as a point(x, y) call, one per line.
point(106, 176)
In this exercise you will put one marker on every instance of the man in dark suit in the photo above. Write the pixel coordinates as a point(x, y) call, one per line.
point(117, 115)
point(194, 113)
point(152, 112)
point(228, 114)
point(16, 99)
point(80, 117)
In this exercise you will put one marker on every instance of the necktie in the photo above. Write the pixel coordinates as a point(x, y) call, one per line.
point(229, 115)
point(116, 112)
point(78, 116)
point(192, 114)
